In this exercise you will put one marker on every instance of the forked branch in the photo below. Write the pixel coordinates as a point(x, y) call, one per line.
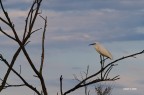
point(92, 78)
point(28, 31)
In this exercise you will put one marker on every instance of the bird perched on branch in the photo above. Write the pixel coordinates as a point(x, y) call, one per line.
point(101, 50)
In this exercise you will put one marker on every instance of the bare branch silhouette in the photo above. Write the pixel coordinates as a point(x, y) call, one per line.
point(43, 39)
point(104, 77)
point(28, 31)
point(24, 81)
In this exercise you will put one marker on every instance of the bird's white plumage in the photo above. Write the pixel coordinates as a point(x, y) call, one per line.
point(101, 50)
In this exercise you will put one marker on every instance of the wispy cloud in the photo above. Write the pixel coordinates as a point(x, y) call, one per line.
point(101, 23)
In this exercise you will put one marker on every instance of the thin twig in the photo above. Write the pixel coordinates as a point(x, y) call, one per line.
point(4, 21)
point(26, 21)
point(9, 23)
point(14, 86)
point(35, 31)
point(7, 34)
point(43, 40)
point(61, 87)
point(20, 70)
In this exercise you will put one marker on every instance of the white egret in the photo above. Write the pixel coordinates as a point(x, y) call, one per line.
point(101, 50)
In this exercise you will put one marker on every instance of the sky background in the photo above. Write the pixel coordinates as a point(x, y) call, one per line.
point(72, 26)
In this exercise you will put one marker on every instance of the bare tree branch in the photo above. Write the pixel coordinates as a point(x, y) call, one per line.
point(61, 87)
point(35, 30)
point(30, 21)
point(10, 68)
point(9, 23)
point(4, 21)
point(25, 82)
point(7, 34)
point(14, 85)
point(27, 19)
point(81, 83)
point(43, 39)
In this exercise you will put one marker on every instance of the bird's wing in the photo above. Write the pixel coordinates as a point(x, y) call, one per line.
point(103, 51)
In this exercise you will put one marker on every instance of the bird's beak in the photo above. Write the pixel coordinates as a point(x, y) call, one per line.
point(92, 44)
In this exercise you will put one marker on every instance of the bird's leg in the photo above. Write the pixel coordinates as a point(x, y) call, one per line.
point(101, 62)
point(104, 59)
point(101, 59)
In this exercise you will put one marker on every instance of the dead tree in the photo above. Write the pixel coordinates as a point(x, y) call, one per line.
point(94, 78)
point(30, 20)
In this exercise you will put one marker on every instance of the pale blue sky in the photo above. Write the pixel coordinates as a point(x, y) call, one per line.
point(72, 26)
